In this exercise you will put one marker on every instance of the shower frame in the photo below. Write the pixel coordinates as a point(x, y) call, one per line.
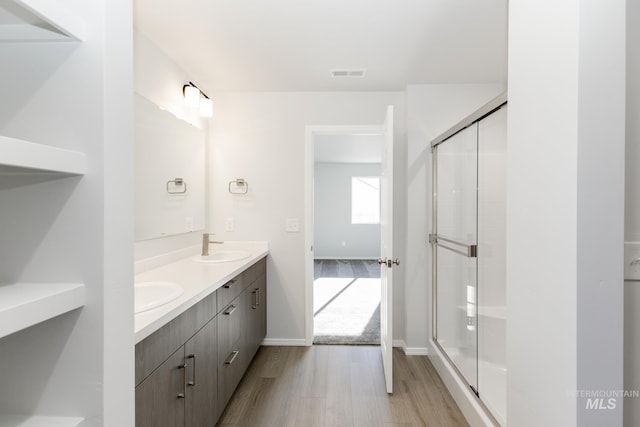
point(468, 250)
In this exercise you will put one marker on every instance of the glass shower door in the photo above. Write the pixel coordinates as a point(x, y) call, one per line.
point(455, 243)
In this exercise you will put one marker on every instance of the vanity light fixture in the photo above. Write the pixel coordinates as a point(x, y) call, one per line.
point(196, 98)
point(206, 107)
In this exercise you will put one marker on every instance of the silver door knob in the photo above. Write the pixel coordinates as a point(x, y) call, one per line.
point(390, 262)
point(382, 261)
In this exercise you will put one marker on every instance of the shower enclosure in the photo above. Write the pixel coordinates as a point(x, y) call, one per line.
point(468, 242)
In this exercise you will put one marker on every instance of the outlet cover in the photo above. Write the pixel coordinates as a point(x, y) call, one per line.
point(292, 225)
point(229, 224)
point(632, 261)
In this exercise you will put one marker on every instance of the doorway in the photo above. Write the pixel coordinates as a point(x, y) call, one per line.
point(387, 259)
point(346, 244)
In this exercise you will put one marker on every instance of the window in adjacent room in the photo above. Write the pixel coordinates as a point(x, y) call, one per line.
point(365, 200)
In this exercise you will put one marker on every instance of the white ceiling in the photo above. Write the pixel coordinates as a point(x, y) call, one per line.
point(347, 148)
point(291, 45)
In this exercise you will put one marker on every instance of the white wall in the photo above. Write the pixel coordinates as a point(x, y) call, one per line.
point(632, 214)
point(118, 402)
point(261, 137)
point(332, 214)
point(564, 210)
point(431, 109)
point(160, 80)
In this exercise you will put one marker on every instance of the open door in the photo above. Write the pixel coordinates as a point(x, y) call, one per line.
point(387, 261)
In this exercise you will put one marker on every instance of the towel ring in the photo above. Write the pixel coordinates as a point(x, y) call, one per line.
point(239, 184)
point(177, 182)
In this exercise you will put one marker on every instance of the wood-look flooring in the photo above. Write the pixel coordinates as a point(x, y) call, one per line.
point(339, 386)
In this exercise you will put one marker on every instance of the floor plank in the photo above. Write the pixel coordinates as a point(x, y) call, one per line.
point(339, 386)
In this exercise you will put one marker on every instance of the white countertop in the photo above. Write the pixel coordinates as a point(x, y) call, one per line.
point(198, 279)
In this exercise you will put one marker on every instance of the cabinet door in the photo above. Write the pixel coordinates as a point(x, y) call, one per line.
point(201, 360)
point(160, 398)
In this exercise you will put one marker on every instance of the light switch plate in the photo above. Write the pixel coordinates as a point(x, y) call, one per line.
point(632, 261)
point(292, 225)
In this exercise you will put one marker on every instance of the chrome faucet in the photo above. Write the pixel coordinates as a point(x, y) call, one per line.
point(205, 243)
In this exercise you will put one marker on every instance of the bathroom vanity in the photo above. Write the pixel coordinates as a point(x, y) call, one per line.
point(192, 352)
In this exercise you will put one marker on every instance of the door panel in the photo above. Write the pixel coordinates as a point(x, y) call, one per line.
point(456, 183)
point(157, 401)
point(386, 248)
point(202, 379)
point(492, 283)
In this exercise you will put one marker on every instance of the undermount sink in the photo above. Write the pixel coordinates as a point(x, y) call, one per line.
point(223, 256)
point(149, 295)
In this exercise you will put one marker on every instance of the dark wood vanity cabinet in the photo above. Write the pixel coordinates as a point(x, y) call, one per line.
point(239, 326)
point(187, 371)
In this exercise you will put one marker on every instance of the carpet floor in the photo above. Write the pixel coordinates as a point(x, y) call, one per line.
point(346, 299)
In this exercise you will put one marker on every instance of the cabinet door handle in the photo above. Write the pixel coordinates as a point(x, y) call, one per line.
point(193, 370)
point(184, 376)
point(255, 299)
point(231, 357)
point(230, 310)
point(230, 283)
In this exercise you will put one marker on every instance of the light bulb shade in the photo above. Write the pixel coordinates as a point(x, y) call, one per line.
point(206, 107)
point(191, 96)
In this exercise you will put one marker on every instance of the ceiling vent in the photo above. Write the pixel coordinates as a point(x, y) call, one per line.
point(348, 72)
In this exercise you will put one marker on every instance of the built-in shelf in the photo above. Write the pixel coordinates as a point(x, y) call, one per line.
point(38, 421)
point(38, 20)
point(26, 304)
point(18, 156)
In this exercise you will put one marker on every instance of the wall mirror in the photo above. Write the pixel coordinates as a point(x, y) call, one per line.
point(169, 173)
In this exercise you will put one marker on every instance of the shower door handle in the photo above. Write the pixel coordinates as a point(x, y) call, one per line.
point(382, 261)
point(470, 251)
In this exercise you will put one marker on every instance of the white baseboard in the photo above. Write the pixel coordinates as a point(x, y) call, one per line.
point(411, 351)
point(416, 351)
point(285, 342)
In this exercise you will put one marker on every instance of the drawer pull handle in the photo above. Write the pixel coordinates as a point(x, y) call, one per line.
point(230, 283)
point(230, 310)
point(231, 357)
point(184, 376)
point(193, 373)
point(255, 299)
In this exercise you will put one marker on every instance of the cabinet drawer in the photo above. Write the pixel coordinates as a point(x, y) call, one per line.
point(230, 290)
point(256, 270)
point(230, 371)
point(230, 327)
